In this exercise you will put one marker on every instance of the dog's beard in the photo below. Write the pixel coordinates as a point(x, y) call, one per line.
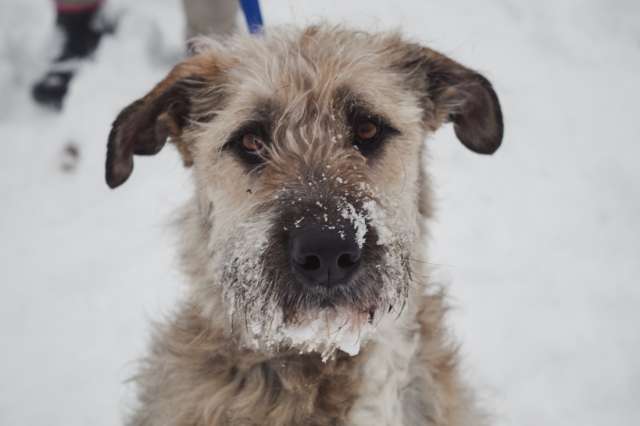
point(269, 311)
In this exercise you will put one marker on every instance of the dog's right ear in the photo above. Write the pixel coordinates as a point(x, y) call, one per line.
point(143, 127)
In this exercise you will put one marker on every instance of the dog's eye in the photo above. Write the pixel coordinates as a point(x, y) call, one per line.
point(368, 134)
point(366, 131)
point(252, 143)
point(249, 144)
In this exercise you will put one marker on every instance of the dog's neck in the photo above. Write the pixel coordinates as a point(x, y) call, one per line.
point(356, 390)
point(297, 386)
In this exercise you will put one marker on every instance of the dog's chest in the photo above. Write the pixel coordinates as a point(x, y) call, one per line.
point(386, 374)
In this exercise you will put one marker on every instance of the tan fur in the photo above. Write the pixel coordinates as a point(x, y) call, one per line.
point(197, 376)
point(222, 360)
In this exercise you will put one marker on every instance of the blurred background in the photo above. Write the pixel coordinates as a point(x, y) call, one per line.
point(539, 244)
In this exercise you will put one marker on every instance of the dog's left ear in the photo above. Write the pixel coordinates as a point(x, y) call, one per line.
point(452, 92)
point(142, 128)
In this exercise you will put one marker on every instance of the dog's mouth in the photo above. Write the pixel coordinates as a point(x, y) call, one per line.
point(327, 330)
point(287, 315)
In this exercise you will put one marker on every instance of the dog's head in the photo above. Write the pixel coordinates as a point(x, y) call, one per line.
point(306, 148)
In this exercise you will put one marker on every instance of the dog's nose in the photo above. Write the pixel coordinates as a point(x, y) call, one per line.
point(324, 257)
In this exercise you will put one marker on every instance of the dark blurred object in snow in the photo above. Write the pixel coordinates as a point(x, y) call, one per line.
point(70, 157)
point(81, 31)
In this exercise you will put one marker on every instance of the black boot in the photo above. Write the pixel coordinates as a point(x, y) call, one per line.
point(81, 37)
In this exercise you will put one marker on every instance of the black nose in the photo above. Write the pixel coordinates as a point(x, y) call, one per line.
point(322, 256)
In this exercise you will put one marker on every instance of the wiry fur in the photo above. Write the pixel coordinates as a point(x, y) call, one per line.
point(227, 357)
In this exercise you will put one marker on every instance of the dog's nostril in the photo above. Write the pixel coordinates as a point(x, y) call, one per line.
point(310, 263)
point(347, 260)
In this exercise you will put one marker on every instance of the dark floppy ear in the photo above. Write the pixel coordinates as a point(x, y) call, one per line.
point(142, 128)
point(452, 92)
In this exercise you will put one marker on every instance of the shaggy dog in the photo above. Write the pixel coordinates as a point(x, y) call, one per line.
point(303, 244)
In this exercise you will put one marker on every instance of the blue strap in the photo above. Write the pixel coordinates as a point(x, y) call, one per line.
point(251, 9)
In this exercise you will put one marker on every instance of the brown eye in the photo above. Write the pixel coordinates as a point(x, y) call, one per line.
point(366, 131)
point(369, 132)
point(252, 143)
point(249, 143)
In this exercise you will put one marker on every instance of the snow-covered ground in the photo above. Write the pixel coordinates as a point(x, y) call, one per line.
point(540, 244)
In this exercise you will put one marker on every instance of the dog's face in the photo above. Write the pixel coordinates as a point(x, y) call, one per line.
point(306, 148)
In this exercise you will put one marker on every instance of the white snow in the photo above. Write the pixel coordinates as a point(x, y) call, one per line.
point(540, 244)
point(328, 330)
point(357, 218)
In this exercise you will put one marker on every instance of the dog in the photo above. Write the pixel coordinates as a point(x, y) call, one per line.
point(309, 301)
